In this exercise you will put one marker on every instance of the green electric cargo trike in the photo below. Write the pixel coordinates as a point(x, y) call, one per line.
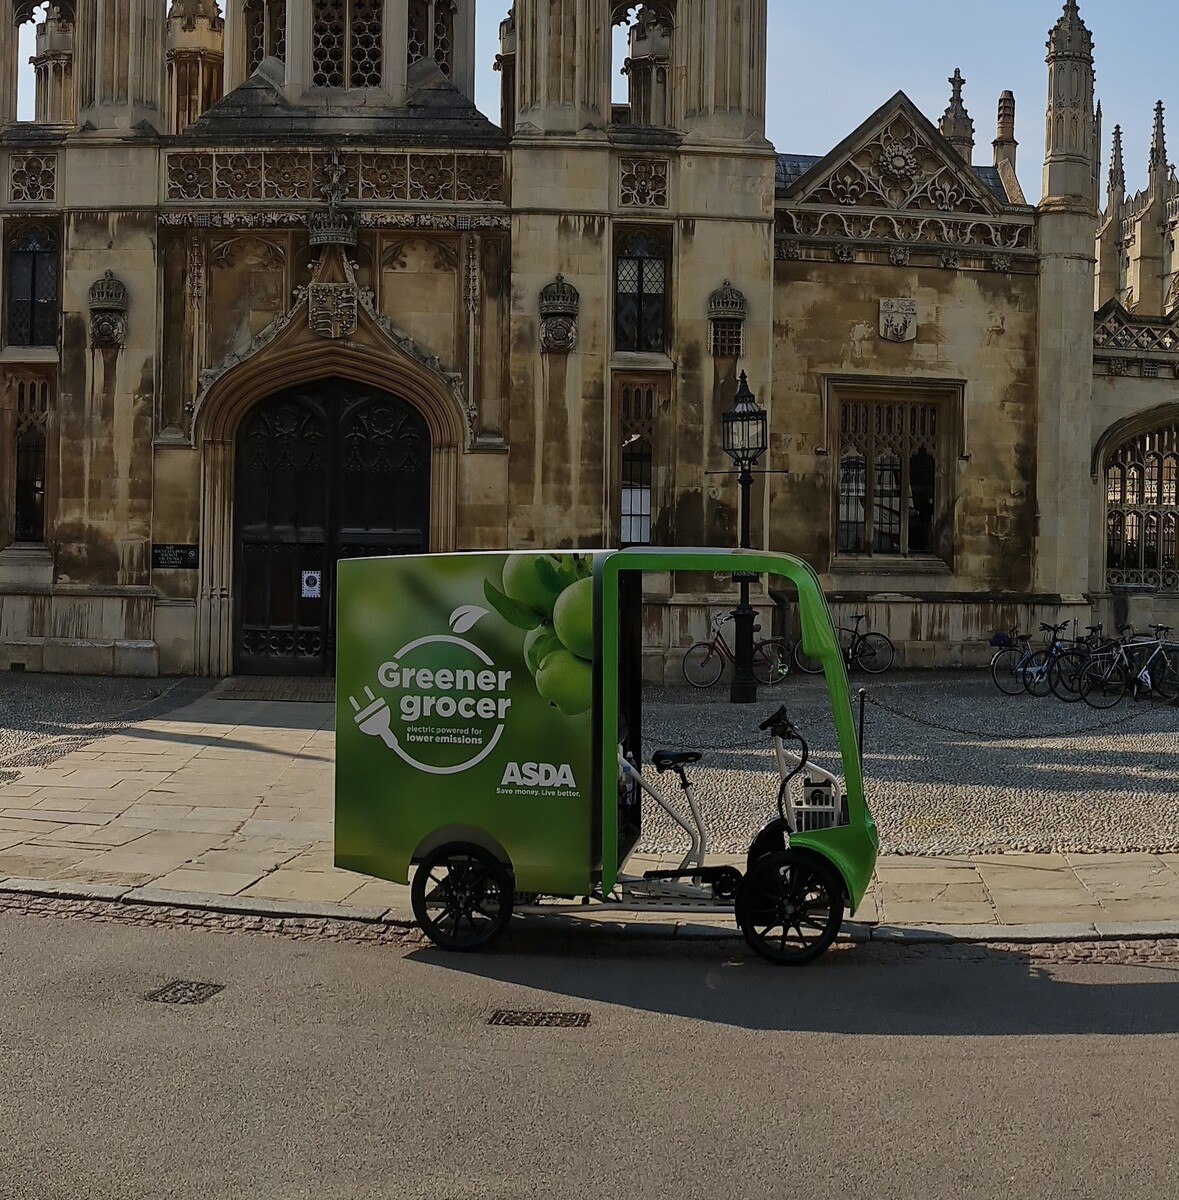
point(489, 745)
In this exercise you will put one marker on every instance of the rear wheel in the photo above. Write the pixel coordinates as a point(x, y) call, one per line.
point(703, 665)
point(1064, 676)
point(771, 661)
point(1035, 674)
point(804, 662)
point(462, 896)
point(1164, 674)
point(1103, 682)
point(1007, 672)
point(874, 653)
point(790, 906)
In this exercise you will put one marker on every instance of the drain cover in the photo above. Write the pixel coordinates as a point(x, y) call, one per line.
point(184, 991)
point(538, 1020)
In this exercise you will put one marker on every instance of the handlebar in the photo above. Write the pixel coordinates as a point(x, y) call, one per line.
point(1053, 628)
point(1159, 630)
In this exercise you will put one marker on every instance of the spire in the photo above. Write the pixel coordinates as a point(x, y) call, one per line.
point(1005, 145)
point(1158, 142)
point(1069, 37)
point(956, 126)
point(1117, 169)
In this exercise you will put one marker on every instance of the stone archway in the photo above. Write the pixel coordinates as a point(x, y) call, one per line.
point(295, 356)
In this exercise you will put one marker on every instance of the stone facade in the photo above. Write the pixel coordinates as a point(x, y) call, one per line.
point(275, 293)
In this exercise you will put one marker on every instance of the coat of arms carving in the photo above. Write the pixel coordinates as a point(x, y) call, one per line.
point(332, 309)
point(898, 320)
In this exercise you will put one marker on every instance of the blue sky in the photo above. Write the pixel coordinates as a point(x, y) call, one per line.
point(833, 63)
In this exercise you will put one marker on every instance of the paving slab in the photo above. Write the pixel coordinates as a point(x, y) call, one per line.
point(927, 912)
point(286, 884)
point(199, 879)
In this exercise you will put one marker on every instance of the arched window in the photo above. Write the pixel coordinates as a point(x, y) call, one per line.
point(33, 269)
point(431, 33)
point(642, 267)
point(346, 43)
point(1142, 510)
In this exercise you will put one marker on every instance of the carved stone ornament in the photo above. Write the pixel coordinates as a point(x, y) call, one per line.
point(898, 320)
point(559, 304)
point(108, 312)
point(727, 303)
point(333, 308)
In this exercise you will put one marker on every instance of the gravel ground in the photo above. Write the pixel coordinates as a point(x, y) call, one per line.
point(43, 717)
point(952, 766)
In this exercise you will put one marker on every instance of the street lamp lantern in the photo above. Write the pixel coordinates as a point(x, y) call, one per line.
point(745, 437)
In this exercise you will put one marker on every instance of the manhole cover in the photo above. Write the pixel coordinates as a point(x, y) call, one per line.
point(538, 1020)
point(184, 991)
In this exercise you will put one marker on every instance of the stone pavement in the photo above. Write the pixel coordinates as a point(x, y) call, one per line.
point(233, 799)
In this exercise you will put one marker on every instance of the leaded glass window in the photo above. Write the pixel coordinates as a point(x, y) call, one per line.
point(1142, 510)
point(32, 427)
point(33, 268)
point(346, 43)
point(265, 31)
point(638, 403)
point(641, 270)
point(890, 498)
point(431, 33)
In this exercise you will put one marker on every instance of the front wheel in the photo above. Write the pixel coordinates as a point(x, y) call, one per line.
point(1164, 674)
point(771, 661)
point(874, 653)
point(790, 906)
point(462, 896)
point(703, 665)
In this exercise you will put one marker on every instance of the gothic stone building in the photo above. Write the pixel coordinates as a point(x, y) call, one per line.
point(275, 292)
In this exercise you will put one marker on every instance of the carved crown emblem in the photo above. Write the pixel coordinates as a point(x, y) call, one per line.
point(727, 303)
point(559, 299)
point(335, 227)
point(108, 294)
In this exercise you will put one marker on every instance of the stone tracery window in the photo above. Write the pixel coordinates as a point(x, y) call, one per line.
point(894, 455)
point(265, 31)
point(32, 427)
point(1142, 510)
point(346, 43)
point(638, 399)
point(431, 33)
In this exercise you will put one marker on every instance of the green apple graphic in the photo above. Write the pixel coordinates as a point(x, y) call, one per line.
point(573, 618)
point(566, 681)
point(539, 643)
point(523, 583)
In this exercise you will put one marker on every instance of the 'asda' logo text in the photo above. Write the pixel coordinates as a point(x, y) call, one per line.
point(531, 774)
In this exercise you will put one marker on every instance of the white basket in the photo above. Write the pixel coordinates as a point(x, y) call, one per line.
point(819, 807)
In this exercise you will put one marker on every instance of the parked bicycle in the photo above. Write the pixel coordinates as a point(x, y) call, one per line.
point(1141, 665)
point(1056, 667)
point(704, 662)
point(871, 652)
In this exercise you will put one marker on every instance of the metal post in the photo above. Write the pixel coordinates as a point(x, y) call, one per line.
point(743, 689)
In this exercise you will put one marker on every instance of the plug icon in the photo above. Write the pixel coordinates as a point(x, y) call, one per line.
point(374, 718)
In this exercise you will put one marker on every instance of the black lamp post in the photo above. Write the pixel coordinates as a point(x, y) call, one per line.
point(745, 439)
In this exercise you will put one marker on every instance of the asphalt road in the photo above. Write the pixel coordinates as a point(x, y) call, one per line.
point(328, 1069)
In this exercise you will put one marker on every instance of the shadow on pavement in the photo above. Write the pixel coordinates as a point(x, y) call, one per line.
point(875, 989)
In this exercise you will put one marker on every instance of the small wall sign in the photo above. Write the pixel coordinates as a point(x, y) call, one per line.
point(170, 556)
point(312, 585)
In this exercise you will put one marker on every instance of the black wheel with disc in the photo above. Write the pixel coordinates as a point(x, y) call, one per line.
point(462, 896)
point(790, 906)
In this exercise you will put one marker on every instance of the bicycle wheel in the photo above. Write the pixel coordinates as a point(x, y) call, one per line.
point(1164, 674)
point(1104, 682)
point(703, 665)
point(1007, 671)
point(1035, 674)
point(804, 662)
point(874, 653)
point(1064, 676)
point(771, 661)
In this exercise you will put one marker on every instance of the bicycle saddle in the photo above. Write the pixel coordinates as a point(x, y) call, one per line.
point(666, 760)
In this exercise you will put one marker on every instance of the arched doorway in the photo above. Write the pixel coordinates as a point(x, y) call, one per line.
point(323, 472)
